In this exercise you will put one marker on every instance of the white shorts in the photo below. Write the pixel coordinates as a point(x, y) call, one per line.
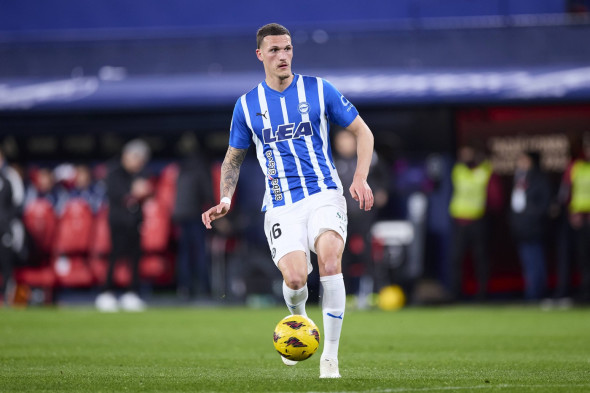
point(297, 226)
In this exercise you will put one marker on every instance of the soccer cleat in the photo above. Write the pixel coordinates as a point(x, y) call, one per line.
point(329, 368)
point(131, 302)
point(289, 362)
point(106, 302)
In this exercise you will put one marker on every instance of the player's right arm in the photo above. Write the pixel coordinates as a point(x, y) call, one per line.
point(230, 172)
point(239, 140)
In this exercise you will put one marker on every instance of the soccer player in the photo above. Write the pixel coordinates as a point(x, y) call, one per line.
point(287, 117)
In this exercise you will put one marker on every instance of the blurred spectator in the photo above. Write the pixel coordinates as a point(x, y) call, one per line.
point(575, 193)
point(16, 181)
point(476, 189)
point(11, 198)
point(7, 213)
point(192, 195)
point(127, 189)
point(356, 259)
point(43, 185)
point(531, 198)
point(85, 188)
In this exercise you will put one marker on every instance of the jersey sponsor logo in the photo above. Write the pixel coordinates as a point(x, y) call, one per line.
point(262, 114)
point(271, 172)
point(285, 132)
point(303, 107)
point(272, 166)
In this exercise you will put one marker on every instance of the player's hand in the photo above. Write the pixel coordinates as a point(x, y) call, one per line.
point(214, 213)
point(361, 192)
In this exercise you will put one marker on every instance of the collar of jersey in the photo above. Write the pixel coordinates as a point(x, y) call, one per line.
point(284, 92)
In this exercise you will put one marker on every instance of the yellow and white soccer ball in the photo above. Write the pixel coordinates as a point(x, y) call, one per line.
point(296, 337)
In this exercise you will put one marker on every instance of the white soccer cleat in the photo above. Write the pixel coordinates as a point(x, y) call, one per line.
point(289, 362)
point(329, 368)
point(106, 302)
point(131, 302)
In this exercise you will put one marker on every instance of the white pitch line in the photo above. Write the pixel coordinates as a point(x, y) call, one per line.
point(455, 388)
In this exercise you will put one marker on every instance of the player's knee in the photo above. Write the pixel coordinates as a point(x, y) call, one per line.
point(329, 243)
point(295, 281)
point(331, 265)
point(329, 247)
point(293, 266)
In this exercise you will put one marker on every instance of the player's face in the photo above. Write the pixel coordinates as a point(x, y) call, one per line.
point(276, 53)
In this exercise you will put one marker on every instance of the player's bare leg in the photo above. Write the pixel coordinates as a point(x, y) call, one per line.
point(293, 266)
point(329, 247)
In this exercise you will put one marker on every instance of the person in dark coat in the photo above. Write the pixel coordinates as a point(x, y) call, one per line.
point(127, 188)
point(7, 214)
point(11, 199)
point(531, 197)
point(193, 192)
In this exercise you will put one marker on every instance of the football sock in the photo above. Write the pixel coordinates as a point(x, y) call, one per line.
point(295, 299)
point(333, 304)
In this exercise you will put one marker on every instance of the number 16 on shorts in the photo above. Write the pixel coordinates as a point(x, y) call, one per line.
point(273, 235)
point(275, 232)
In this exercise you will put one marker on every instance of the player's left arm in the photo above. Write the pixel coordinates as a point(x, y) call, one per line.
point(359, 189)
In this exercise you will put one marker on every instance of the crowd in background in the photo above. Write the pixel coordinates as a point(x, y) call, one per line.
point(133, 203)
point(477, 195)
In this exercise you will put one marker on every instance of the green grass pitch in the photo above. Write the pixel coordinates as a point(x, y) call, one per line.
point(463, 349)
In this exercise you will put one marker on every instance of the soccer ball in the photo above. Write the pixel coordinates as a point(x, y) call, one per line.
point(296, 337)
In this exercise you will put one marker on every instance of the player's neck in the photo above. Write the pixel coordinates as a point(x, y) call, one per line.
point(279, 84)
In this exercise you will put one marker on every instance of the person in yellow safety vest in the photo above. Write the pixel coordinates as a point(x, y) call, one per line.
point(475, 190)
point(575, 191)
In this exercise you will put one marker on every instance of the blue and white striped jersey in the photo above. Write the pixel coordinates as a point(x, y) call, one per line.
point(290, 130)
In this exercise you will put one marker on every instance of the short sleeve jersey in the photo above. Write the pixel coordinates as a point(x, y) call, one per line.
point(291, 133)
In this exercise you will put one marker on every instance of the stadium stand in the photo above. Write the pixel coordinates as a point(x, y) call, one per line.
point(76, 219)
point(41, 222)
point(70, 250)
point(166, 186)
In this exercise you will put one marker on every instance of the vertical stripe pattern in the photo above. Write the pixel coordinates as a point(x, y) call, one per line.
point(291, 131)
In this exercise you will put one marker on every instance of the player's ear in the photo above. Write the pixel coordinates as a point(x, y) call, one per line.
point(259, 54)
